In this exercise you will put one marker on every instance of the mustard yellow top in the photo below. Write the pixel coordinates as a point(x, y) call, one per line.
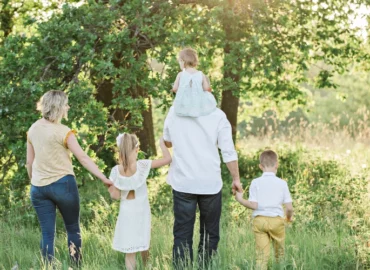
point(52, 156)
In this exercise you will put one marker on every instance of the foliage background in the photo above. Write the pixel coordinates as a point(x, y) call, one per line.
point(290, 75)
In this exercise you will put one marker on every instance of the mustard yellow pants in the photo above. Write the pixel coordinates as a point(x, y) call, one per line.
point(267, 229)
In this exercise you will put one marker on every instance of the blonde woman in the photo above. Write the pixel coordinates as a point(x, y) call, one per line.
point(49, 166)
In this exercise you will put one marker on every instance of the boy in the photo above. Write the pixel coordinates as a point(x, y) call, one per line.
point(266, 195)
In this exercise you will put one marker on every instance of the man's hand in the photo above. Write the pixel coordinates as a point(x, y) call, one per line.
point(236, 186)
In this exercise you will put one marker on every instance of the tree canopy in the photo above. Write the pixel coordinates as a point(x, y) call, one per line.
point(99, 52)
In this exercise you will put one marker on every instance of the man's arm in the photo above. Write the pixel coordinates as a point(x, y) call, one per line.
point(234, 171)
point(229, 155)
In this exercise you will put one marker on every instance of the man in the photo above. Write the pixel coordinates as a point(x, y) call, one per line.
point(195, 177)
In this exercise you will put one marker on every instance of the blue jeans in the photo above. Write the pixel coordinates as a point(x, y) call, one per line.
point(64, 195)
point(184, 208)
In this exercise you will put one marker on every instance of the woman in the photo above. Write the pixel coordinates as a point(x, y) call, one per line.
point(49, 166)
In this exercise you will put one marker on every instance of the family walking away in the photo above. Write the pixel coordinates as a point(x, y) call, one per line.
point(196, 130)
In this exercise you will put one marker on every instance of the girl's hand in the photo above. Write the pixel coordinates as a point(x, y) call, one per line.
point(107, 182)
point(114, 192)
point(166, 159)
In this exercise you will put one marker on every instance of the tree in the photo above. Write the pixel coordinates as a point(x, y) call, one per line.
point(269, 46)
point(98, 53)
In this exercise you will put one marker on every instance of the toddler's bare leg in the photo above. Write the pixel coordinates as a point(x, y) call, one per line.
point(130, 261)
point(145, 256)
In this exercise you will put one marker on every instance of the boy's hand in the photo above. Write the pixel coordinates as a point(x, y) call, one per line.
point(288, 222)
point(239, 196)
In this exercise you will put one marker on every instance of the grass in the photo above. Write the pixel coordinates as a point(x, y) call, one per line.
point(329, 248)
point(319, 244)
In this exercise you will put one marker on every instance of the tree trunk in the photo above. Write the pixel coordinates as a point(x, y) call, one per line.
point(146, 133)
point(7, 19)
point(230, 105)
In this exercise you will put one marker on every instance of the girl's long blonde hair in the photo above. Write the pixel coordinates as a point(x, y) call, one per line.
point(52, 105)
point(128, 143)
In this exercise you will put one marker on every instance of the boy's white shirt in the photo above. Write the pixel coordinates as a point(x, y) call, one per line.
point(270, 192)
point(195, 166)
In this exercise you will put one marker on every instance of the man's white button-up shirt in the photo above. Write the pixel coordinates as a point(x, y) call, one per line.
point(195, 166)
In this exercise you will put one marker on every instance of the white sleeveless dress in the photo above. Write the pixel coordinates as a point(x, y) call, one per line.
point(132, 232)
point(191, 100)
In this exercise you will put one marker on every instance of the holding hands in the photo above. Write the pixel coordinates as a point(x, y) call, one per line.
point(246, 203)
point(237, 187)
point(114, 192)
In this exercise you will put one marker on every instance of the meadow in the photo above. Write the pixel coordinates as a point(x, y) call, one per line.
point(305, 61)
point(329, 180)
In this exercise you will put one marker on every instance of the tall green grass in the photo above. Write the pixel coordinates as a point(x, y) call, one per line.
point(328, 176)
point(328, 248)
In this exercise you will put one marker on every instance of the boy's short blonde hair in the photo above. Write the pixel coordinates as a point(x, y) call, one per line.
point(52, 105)
point(189, 56)
point(268, 159)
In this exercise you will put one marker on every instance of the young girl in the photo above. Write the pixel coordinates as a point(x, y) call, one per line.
point(132, 233)
point(192, 88)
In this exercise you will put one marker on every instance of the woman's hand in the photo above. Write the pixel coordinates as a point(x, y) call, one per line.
point(107, 182)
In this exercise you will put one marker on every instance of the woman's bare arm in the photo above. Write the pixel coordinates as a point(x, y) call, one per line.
point(30, 158)
point(85, 160)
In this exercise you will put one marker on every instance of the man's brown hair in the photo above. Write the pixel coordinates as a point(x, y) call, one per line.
point(268, 158)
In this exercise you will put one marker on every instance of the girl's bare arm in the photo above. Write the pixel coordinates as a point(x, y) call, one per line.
point(206, 84)
point(177, 82)
point(166, 159)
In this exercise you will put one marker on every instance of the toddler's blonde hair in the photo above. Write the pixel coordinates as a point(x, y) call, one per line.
point(52, 105)
point(189, 56)
point(128, 143)
point(268, 159)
